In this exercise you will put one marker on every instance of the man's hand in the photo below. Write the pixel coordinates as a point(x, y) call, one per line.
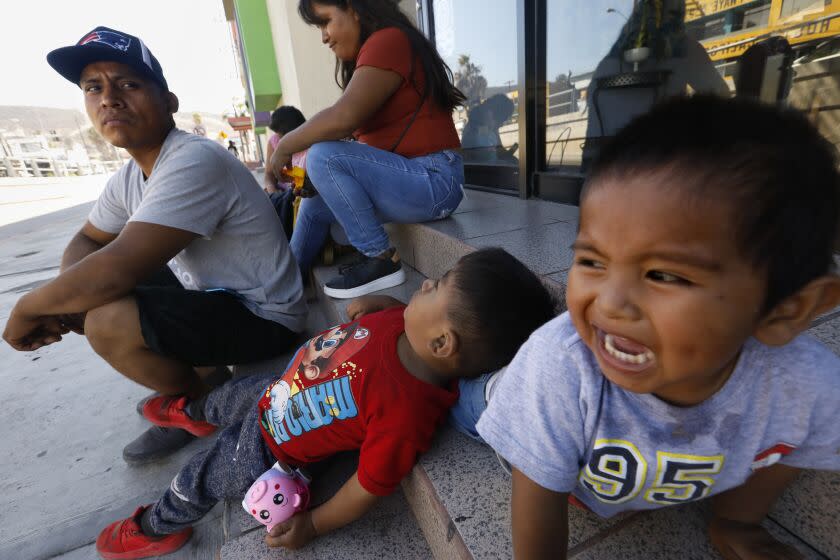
point(366, 305)
point(746, 541)
point(91, 278)
point(293, 533)
point(75, 322)
point(27, 333)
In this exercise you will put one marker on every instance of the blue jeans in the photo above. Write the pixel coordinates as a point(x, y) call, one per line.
point(361, 187)
point(471, 403)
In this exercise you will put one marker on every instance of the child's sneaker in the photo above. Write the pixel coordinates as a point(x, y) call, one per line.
point(125, 539)
point(169, 412)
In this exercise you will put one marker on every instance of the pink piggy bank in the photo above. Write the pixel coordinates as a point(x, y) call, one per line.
point(277, 495)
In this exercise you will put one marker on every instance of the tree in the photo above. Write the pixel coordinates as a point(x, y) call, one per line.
point(469, 80)
point(562, 81)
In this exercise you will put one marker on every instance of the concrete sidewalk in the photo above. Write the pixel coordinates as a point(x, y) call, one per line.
point(66, 416)
point(22, 198)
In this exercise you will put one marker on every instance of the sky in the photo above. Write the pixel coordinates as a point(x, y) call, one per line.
point(190, 38)
point(579, 34)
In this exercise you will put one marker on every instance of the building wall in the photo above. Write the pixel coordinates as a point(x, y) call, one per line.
point(256, 38)
point(306, 67)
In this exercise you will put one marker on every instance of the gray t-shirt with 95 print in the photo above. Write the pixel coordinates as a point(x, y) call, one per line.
point(560, 422)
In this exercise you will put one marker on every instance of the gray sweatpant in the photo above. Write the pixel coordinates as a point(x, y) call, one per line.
point(226, 470)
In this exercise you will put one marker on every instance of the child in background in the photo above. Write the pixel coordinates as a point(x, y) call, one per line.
point(381, 384)
point(680, 370)
point(283, 120)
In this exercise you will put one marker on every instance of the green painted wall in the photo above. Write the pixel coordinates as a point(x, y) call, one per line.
point(255, 33)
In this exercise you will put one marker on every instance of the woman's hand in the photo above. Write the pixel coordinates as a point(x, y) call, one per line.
point(280, 160)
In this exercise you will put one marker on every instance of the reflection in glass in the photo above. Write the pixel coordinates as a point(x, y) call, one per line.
point(651, 58)
point(479, 45)
point(610, 60)
point(806, 75)
point(578, 35)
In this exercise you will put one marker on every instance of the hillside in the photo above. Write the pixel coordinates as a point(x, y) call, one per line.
point(34, 120)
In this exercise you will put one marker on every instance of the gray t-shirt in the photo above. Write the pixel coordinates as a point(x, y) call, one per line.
point(197, 186)
point(559, 421)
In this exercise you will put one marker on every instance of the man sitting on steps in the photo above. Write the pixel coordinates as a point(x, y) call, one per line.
point(181, 200)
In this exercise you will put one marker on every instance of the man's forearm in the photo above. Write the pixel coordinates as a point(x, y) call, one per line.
point(89, 283)
point(79, 247)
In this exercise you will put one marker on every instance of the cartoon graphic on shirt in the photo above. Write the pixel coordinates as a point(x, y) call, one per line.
point(315, 390)
point(317, 354)
point(280, 394)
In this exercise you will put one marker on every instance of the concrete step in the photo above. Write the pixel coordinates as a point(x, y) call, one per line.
point(459, 493)
point(387, 531)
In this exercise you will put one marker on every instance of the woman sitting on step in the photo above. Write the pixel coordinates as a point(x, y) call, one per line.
point(405, 166)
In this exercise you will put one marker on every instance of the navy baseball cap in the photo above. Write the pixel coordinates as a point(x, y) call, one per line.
point(105, 44)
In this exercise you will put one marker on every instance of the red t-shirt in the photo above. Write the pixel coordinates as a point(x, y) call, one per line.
point(346, 389)
point(433, 130)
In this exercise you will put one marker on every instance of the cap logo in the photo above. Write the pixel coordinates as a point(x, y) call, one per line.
point(109, 38)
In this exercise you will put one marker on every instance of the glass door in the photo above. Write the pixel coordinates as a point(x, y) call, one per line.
point(478, 40)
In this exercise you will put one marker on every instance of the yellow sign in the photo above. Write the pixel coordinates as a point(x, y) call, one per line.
point(697, 9)
point(796, 33)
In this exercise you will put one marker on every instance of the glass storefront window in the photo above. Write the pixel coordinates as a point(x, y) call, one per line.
point(623, 57)
point(608, 61)
point(479, 45)
point(579, 35)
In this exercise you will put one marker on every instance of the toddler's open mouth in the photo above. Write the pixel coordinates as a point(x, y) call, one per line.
point(624, 353)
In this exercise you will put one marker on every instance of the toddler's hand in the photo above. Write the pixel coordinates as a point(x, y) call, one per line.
point(745, 541)
point(366, 305)
point(293, 533)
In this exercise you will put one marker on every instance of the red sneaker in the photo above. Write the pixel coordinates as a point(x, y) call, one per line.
point(169, 412)
point(125, 539)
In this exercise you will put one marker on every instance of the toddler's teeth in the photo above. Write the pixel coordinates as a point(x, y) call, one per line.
point(636, 359)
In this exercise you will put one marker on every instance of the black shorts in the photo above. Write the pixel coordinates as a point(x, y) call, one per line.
point(206, 328)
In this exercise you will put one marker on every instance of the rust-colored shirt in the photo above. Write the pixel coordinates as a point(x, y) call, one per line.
point(433, 130)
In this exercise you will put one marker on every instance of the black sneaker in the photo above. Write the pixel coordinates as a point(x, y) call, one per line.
point(369, 274)
point(154, 444)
